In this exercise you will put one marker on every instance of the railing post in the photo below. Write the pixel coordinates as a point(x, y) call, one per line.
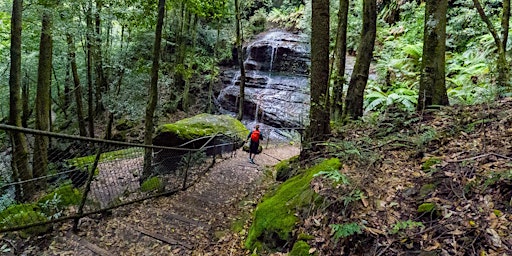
point(184, 186)
point(87, 189)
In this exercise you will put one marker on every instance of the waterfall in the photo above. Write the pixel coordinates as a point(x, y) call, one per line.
point(276, 84)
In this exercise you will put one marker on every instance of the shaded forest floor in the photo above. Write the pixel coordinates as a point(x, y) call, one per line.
point(432, 183)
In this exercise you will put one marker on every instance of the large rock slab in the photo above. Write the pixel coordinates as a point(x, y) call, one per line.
point(196, 133)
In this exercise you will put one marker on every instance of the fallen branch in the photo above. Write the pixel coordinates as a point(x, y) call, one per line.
point(479, 156)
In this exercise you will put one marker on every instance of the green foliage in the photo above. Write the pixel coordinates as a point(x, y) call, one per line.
point(345, 230)
point(290, 18)
point(404, 225)
point(275, 217)
point(495, 177)
point(300, 248)
point(377, 100)
point(334, 175)
point(151, 184)
point(353, 196)
point(88, 161)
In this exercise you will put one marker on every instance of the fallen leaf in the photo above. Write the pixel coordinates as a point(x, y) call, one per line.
point(495, 238)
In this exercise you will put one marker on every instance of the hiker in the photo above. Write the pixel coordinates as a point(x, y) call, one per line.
point(255, 137)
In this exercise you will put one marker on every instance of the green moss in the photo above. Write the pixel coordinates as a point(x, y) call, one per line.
point(151, 184)
point(300, 248)
point(427, 189)
point(87, 161)
point(430, 162)
point(204, 125)
point(21, 215)
point(426, 207)
point(286, 168)
point(67, 194)
point(274, 217)
point(305, 237)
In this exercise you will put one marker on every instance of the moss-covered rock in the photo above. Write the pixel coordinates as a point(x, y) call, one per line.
point(67, 195)
point(152, 184)
point(199, 126)
point(286, 168)
point(300, 248)
point(274, 218)
point(22, 215)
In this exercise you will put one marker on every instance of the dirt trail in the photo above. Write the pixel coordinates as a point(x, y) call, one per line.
point(187, 223)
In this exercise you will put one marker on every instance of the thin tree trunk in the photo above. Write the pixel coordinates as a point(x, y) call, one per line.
point(90, 89)
point(100, 82)
point(41, 143)
point(500, 42)
point(188, 70)
point(240, 52)
point(153, 92)
point(340, 61)
point(77, 86)
point(212, 78)
point(433, 81)
point(25, 93)
point(359, 77)
point(319, 110)
point(19, 163)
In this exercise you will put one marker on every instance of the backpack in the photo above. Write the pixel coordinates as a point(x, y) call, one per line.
point(255, 136)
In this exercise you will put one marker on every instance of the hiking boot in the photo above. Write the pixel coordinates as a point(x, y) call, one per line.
point(252, 161)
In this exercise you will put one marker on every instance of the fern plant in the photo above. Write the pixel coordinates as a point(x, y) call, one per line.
point(377, 100)
point(345, 230)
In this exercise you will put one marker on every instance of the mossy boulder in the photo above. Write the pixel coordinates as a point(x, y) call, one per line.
point(152, 184)
point(22, 215)
point(199, 126)
point(287, 168)
point(66, 195)
point(194, 133)
point(275, 217)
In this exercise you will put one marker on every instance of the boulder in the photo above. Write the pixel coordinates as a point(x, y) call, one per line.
point(195, 133)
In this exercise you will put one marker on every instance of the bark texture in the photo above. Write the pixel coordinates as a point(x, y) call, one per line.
point(153, 91)
point(359, 78)
point(19, 163)
point(432, 81)
point(319, 112)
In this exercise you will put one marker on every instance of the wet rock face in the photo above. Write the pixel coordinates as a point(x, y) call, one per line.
point(276, 85)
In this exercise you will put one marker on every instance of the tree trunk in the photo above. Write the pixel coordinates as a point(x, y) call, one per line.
point(240, 55)
point(340, 61)
point(319, 112)
point(100, 82)
point(19, 163)
point(77, 86)
point(500, 42)
point(359, 77)
point(90, 89)
point(432, 81)
point(212, 78)
point(25, 93)
point(153, 92)
point(41, 143)
point(189, 69)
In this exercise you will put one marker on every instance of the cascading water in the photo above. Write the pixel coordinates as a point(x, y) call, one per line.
point(276, 85)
